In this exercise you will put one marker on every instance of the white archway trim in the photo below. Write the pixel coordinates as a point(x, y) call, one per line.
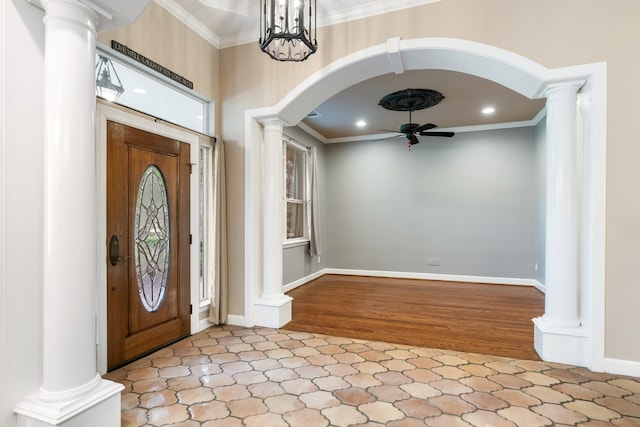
point(495, 64)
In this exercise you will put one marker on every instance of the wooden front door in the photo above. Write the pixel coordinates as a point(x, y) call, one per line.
point(147, 242)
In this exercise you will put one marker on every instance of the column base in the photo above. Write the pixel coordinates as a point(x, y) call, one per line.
point(273, 314)
point(98, 408)
point(561, 344)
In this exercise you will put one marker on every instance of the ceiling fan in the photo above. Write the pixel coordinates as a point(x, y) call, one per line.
point(410, 130)
point(410, 100)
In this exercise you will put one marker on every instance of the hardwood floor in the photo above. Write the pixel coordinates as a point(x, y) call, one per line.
point(470, 317)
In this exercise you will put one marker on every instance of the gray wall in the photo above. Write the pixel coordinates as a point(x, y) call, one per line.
point(469, 201)
point(541, 198)
point(296, 260)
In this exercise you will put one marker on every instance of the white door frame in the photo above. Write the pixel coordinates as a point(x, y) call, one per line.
point(504, 67)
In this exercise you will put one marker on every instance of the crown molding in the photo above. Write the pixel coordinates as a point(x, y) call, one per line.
point(363, 11)
point(190, 21)
point(308, 129)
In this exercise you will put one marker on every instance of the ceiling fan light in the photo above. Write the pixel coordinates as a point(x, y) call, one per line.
point(288, 29)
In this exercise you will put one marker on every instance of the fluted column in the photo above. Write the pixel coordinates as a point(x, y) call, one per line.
point(274, 307)
point(71, 385)
point(558, 334)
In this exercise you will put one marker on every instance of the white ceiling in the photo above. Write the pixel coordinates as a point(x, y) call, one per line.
point(227, 23)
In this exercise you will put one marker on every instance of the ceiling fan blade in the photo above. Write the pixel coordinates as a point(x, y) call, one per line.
point(424, 127)
point(389, 137)
point(445, 134)
point(413, 139)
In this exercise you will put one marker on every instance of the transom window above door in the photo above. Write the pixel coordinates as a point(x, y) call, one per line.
point(149, 92)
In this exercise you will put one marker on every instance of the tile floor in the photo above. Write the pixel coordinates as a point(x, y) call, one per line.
point(231, 376)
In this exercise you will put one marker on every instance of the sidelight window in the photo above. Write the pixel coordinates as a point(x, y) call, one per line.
point(206, 219)
point(296, 191)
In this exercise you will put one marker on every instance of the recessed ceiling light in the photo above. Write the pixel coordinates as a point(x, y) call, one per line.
point(488, 110)
point(139, 90)
point(361, 123)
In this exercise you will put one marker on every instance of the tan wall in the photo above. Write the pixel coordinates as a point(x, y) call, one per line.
point(551, 32)
point(161, 37)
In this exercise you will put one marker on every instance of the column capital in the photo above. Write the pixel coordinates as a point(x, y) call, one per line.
point(272, 123)
point(78, 12)
point(559, 88)
point(109, 13)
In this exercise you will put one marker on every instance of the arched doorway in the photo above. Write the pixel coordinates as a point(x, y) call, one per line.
point(577, 103)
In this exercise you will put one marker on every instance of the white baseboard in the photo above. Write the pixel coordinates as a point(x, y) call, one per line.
point(540, 286)
point(302, 281)
point(231, 320)
point(621, 367)
point(236, 320)
point(442, 277)
point(202, 325)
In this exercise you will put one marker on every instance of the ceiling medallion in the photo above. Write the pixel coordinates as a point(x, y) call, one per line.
point(411, 99)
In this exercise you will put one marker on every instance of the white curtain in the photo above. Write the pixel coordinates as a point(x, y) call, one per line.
point(217, 239)
point(315, 248)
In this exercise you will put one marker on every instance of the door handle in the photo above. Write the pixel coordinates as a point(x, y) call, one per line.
point(114, 250)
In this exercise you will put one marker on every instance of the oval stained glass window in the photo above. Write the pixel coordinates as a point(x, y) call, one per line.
point(152, 238)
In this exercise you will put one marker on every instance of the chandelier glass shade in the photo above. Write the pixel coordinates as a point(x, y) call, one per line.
point(288, 29)
point(108, 84)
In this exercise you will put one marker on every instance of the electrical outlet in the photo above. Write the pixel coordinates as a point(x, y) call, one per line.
point(433, 261)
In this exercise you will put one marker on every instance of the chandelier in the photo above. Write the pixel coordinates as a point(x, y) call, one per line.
point(108, 84)
point(288, 29)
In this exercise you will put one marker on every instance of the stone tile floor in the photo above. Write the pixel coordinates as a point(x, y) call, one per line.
point(231, 376)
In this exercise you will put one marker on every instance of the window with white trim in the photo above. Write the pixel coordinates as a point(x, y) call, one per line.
point(152, 93)
point(296, 191)
point(206, 206)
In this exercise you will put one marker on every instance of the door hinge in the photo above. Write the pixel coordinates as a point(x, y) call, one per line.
point(190, 308)
point(191, 239)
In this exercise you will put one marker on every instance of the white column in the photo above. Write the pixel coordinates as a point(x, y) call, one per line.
point(71, 386)
point(558, 335)
point(273, 193)
point(274, 307)
point(563, 207)
point(70, 201)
